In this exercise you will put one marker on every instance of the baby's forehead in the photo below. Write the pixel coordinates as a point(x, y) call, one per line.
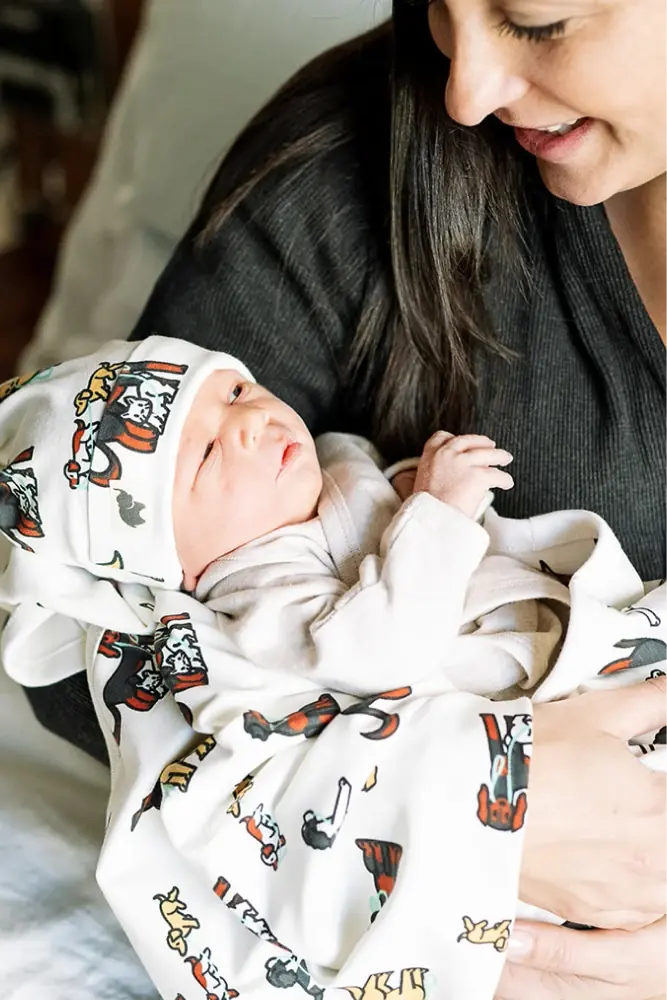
point(217, 392)
point(223, 381)
point(226, 375)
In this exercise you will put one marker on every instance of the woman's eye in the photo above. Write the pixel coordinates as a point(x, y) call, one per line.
point(537, 34)
point(207, 451)
point(236, 392)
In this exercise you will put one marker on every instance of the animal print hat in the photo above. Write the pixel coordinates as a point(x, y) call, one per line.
point(88, 455)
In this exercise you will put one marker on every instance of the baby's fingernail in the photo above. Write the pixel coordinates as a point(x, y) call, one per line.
point(519, 945)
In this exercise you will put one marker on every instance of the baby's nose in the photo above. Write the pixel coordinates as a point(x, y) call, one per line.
point(252, 427)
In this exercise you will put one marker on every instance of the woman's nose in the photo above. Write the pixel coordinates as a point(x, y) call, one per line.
point(483, 78)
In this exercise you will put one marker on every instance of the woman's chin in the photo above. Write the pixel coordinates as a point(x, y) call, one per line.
point(578, 187)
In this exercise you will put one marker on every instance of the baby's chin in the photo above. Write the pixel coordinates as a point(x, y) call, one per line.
point(298, 513)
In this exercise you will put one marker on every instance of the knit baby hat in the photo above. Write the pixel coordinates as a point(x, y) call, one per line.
point(88, 452)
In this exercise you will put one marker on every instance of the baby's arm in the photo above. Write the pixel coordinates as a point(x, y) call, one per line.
point(407, 607)
point(395, 625)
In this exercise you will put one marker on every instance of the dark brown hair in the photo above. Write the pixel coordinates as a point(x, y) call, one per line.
point(451, 194)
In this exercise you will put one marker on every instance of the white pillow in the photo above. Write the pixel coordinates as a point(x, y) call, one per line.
point(198, 72)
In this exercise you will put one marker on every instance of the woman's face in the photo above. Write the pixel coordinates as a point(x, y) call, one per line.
point(537, 63)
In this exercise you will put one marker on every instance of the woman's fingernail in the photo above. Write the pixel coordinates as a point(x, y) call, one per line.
point(519, 945)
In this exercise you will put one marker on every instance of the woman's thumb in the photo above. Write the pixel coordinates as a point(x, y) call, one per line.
point(564, 951)
point(631, 711)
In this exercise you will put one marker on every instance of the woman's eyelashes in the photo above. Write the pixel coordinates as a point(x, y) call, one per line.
point(539, 33)
point(536, 33)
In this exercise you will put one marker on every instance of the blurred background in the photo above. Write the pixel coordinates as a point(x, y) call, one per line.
point(113, 114)
point(60, 64)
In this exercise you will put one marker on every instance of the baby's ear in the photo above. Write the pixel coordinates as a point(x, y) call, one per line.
point(9, 509)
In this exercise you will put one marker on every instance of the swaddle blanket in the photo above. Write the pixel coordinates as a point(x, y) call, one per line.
point(275, 826)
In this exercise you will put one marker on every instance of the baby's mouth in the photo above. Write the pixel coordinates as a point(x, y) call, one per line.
point(289, 454)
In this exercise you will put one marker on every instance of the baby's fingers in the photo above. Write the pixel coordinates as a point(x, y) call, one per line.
point(499, 480)
point(469, 442)
point(488, 456)
point(437, 440)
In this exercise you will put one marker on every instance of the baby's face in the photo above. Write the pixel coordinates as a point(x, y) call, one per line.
point(246, 466)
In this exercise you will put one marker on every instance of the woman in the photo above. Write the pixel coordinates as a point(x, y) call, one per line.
point(397, 244)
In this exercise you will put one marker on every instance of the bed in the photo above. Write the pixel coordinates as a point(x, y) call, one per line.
point(58, 938)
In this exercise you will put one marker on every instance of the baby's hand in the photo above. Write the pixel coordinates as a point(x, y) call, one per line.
point(460, 470)
point(404, 483)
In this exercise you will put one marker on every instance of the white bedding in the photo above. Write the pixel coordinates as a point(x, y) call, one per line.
point(58, 938)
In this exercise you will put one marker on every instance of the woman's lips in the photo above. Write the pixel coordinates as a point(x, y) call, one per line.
point(551, 146)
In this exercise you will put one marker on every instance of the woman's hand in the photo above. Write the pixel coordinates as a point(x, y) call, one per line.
point(562, 964)
point(594, 850)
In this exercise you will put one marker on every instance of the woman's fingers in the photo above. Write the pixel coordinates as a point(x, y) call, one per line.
point(631, 711)
point(521, 983)
point(592, 965)
point(562, 950)
point(593, 850)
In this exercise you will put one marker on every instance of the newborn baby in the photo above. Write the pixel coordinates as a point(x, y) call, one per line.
point(179, 535)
